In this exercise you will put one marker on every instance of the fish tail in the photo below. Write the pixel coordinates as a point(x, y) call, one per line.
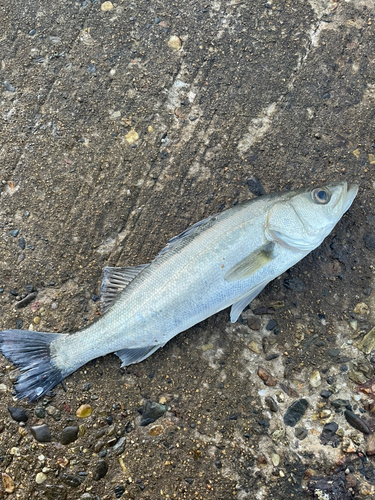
point(31, 352)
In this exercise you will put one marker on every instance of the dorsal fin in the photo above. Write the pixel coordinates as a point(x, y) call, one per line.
point(115, 279)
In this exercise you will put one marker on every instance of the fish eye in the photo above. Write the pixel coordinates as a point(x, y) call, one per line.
point(321, 196)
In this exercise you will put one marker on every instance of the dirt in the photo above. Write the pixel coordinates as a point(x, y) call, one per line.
point(112, 142)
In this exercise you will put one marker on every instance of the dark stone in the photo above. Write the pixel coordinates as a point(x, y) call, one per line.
point(218, 464)
point(255, 186)
point(300, 433)
point(329, 436)
point(9, 87)
point(271, 356)
point(29, 288)
point(339, 403)
point(22, 243)
point(294, 284)
point(41, 433)
point(95, 298)
point(119, 447)
point(326, 394)
point(261, 310)
point(189, 480)
point(40, 412)
point(119, 491)
point(369, 241)
point(233, 417)
point(69, 435)
point(70, 480)
point(18, 414)
point(101, 470)
point(14, 233)
point(91, 68)
point(356, 422)
point(271, 403)
point(254, 323)
point(156, 20)
point(19, 324)
point(334, 353)
point(151, 411)
point(271, 325)
point(295, 412)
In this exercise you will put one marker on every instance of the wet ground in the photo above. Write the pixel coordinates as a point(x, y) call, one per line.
point(121, 125)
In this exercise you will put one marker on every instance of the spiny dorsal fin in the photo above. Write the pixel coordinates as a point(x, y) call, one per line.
point(250, 264)
point(115, 279)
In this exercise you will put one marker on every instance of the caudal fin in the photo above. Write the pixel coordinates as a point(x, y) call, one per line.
point(31, 352)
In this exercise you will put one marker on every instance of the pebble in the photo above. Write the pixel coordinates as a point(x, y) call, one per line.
point(334, 353)
point(156, 430)
point(71, 480)
point(356, 422)
point(315, 379)
point(175, 42)
point(106, 6)
point(3, 388)
point(119, 491)
point(14, 233)
point(22, 243)
point(8, 483)
point(339, 403)
point(151, 411)
point(255, 186)
point(18, 414)
point(271, 403)
point(368, 342)
point(278, 435)
point(40, 412)
point(24, 302)
point(84, 411)
point(101, 470)
point(270, 357)
point(254, 323)
point(253, 346)
point(295, 412)
point(267, 378)
point(300, 433)
point(40, 478)
point(157, 20)
point(119, 447)
point(271, 325)
point(131, 137)
point(326, 394)
point(361, 309)
point(69, 435)
point(275, 459)
point(41, 433)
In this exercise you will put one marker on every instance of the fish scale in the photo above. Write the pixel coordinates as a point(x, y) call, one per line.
point(224, 260)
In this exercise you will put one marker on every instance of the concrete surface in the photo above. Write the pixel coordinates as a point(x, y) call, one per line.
point(121, 125)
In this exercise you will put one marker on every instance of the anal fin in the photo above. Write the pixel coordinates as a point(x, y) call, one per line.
point(131, 356)
point(115, 279)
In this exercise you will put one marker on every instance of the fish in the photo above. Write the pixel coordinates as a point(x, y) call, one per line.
point(222, 261)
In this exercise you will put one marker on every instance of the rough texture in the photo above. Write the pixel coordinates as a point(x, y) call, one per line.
point(112, 140)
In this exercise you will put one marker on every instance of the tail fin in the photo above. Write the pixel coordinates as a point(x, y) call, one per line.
point(31, 352)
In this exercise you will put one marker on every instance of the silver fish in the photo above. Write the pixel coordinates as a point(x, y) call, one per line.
point(224, 260)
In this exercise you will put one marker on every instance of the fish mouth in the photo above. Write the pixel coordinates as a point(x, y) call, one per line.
point(344, 201)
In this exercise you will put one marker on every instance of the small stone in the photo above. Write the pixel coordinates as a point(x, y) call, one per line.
point(278, 435)
point(353, 324)
point(157, 20)
point(271, 356)
point(295, 412)
point(326, 394)
point(69, 435)
point(275, 459)
point(271, 403)
point(294, 284)
point(334, 353)
point(18, 414)
point(175, 43)
point(41, 433)
point(101, 470)
point(40, 478)
point(156, 430)
point(356, 422)
point(36, 320)
point(24, 302)
point(253, 346)
point(357, 377)
point(361, 309)
point(151, 412)
point(106, 6)
point(315, 379)
point(254, 323)
point(368, 342)
point(339, 403)
point(119, 447)
point(300, 433)
point(8, 483)
point(255, 186)
point(71, 480)
point(207, 347)
point(22, 243)
point(9, 87)
point(84, 411)
point(40, 412)
point(119, 491)
point(14, 233)
point(267, 378)
point(3, 388)
point(271, 325)
point(131, 137)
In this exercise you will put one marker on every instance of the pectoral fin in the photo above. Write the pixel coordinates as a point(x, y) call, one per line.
point(250, 264)
point(240, 305)
point(130, 356)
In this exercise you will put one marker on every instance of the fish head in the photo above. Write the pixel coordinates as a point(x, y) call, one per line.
point(301, 220)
